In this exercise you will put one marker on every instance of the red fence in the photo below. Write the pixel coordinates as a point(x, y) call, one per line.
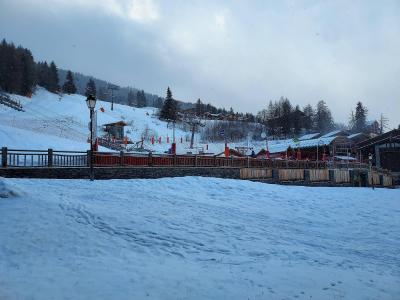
point(126, 159)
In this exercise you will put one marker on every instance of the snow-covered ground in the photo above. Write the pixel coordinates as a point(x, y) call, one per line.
point(196, 238)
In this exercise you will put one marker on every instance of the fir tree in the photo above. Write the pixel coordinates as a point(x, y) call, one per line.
point(199, 108)
point(52, 84)
point(169, 110)
point(141, 99)
point(90, 88)
point(323, 118)
point(360, 117)
point(69, 85)
point(131, 98)
point(308, 118)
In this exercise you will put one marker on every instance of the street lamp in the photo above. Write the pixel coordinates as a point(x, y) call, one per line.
point(91, 104)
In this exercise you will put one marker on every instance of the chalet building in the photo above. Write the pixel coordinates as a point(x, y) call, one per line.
point(332, 145)
point(356, 138)
point(385, 150)
point(115, 130)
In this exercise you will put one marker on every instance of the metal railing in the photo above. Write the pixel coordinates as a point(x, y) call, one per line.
point(42, 158)
point(50, 158)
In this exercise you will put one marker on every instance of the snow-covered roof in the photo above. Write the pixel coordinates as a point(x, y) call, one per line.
point(332, 133)
point(281, 147)
point(308, 136)
point(354, 135)
point(344, 157)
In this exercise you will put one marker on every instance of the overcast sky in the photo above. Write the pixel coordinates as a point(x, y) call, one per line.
point(230, 53)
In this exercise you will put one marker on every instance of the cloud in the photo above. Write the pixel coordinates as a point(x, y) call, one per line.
point(229, 53)
point(143, 11)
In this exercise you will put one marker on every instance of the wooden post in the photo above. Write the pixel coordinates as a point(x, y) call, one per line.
point(248, 161)
point(88, 156)
point(121, 158)
point(50, 157)
point(4, 157)
point(150, 159)
point(195, 160)
point(215, 160)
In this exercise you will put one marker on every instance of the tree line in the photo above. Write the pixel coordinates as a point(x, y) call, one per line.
point(282, 119)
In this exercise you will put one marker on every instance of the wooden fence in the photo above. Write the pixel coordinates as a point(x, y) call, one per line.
point(373, 178)
point(318, 175)
point(341, 176)
point(387, 180)
point(291, 174)
point(248, 173)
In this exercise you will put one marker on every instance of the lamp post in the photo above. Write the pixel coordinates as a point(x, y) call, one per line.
point(91, 104)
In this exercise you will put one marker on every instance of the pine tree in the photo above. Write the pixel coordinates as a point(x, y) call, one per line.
point(285, 120)
point(323, 118)
point(131, 98)
point(360, 117)
point(308, 118)
point(42, 74)
point(158, 103)
point(28, 73)
point(17, 69)
point(199, 108)
point(141, 99)
point(90, 88)
point(297, 120)
point(169, 110)
point(52, 84)
point(69, 86)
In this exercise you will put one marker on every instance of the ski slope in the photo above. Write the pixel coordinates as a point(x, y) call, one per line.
point(51, 121)
point(196, 238)
point(61, 123)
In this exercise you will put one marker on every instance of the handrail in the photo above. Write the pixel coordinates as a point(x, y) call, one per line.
point(50, 158)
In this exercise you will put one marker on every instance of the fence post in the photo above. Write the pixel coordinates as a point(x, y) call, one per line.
point(88, 161)
point(50, 157)
point(248, 161)
point(195, 160)
point(150, 159)
point(215, 160)
point(174, 160)
point(231, 161)
point(4, 157)
point(121, 158)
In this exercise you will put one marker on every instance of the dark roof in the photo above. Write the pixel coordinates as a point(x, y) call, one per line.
point(119, 123)
point(391, 136)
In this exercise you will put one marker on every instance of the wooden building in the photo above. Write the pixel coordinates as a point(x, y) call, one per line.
point(385, 150)
point(115, 130)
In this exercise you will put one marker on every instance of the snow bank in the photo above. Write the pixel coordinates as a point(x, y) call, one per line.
point(7, 190)
point(197, 238)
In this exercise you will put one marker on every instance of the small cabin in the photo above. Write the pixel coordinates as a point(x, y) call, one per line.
point(115, 130)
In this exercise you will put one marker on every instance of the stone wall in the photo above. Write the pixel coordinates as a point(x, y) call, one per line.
point(119, 173)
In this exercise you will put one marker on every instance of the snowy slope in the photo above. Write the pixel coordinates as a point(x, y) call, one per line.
point(67, 118)
point(61, 123)
point(196, 238)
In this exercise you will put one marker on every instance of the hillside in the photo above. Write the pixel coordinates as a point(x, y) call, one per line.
point(51, 121)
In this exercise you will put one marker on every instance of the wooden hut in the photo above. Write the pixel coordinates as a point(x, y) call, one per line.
point(384, 148)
